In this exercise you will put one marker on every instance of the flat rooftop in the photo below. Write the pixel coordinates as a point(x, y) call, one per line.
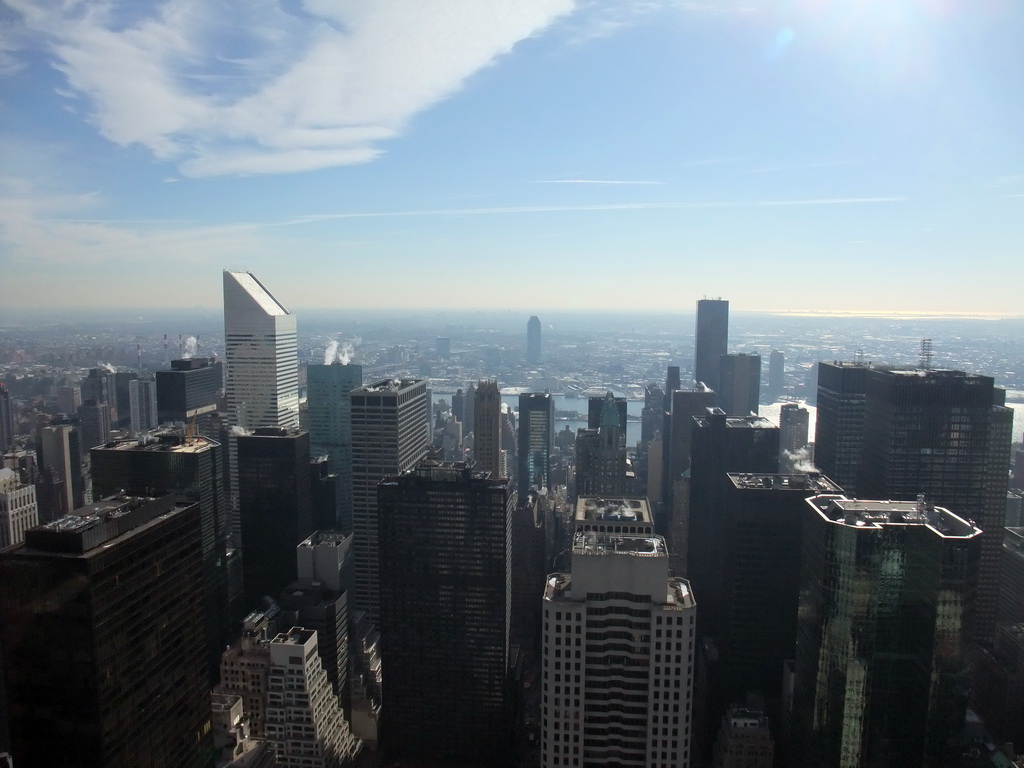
point(811, 482)
point(735, 422)
point(612, 510)
point(161, 442)
point(876, 514)
point(589, 543)
point(386, 385)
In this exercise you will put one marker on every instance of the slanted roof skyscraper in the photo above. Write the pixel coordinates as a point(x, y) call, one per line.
point(262, 361)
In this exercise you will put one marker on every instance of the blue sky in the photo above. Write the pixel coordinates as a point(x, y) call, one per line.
point(845, 155)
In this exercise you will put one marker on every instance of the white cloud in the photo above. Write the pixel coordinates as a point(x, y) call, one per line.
point(253, 87)
point(39, 229)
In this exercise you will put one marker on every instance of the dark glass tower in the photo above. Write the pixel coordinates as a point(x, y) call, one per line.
point(711, 340)
point(533, 350)
point(193, 469)
point(487, 428)
point(330, 426)
point(943, 434)
point(885, 587)
point(6, 419)
point(445, 579)
point(739, 384)
point(188, 391)
point(390, 434)
point(105, 652)
point(276, 508)
point(536, 434)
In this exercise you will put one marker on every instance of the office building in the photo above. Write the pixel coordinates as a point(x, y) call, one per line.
point(6, 419)
point(776, 373)
point(318, 600)
point(142, 400)
point(94, 418)
point(276, 508)
point(711, 341)
point(684, 405)
point(262, 386)
point(305, 724)
point(750, 620)
point(532, 539)
point(536, 433)
point(63, 481)
point(100, 386)
point(533, 348)
point(390, 434)
point(839, 424)
point(885, 586)
point(618, 648)
point(794, 427)
point(740, 384)
point(192, 468)
point(104, 650)
point(598, 514)
point(69, 397)
point(601, 467)
point(487, 429)
point(330, 426)
point(188, 392)
point(445, 602)
point(596, 417)
point(443, 347)
point(720, 445)
point(744, 740)
point(18, 508)
point(121, 406)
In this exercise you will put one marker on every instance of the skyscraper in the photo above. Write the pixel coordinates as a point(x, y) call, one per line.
point(885, 587)
point(487, 428)
point(839, 424)
point(104, 650)
point(18, 508)
point(262, 363)
point(776, 373)
point(62, 471)
point(536, 433)
point(618, 650)
point(533, 349)
point(95, 424)
point(6, 419)
point(684, 404)
point(601, 455)
point(330, 426)
point(276, 508)
point(390, 434)
point(739, 384)
point(711, 340)
point(944, 434)
point(192, 469)
point(794, 425)
point(445, 582)
point(188, 391)
point(142, 399)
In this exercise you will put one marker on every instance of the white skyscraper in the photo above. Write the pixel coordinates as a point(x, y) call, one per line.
point(262, 359)
point(618, 656)
point(142, 401)
point(18, 510)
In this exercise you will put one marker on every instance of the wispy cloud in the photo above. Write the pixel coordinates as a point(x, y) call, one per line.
point(266, 87)
point(40, 228)
point(520, 209)
point(595, 181)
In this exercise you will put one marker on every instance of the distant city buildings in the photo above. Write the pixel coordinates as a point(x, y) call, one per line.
point(533, 348)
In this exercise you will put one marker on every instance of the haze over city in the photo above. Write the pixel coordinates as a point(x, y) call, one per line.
point(803, 156)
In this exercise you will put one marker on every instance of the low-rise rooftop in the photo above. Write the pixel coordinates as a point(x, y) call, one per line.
point(876, 514)
point(812, 482)
point(612, 510)
point(589, 543)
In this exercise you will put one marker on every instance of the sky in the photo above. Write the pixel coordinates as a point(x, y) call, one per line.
point(789, 155)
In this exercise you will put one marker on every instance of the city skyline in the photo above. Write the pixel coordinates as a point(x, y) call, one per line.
point(315, 142)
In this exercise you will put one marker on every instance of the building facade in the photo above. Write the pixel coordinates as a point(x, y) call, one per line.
point(18, 508)
point(880, 661)
point(487, 428)
point(711, 341)
point(618, 647)
point(104, 650)
point(739, 388)
point(536, 434)
point(446, 581)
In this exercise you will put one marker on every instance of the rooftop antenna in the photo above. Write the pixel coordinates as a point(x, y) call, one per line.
point(926, 355)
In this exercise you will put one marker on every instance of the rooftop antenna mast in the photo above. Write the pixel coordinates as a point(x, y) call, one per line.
point(926, 355)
